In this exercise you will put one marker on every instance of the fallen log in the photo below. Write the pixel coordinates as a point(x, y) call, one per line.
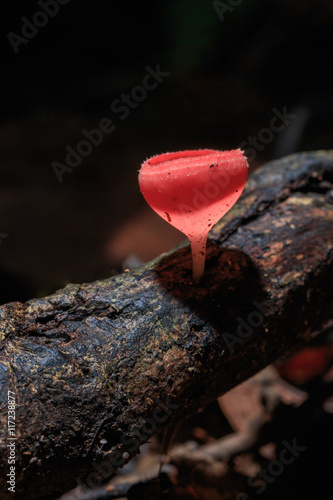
point(91, 372)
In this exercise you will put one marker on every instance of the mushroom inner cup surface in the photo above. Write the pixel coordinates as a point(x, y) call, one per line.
point(178, 155)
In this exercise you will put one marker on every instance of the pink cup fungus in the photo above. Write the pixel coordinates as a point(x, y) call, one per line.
point(192, 190)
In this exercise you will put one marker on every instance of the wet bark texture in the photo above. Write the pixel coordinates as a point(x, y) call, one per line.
point(97, 368)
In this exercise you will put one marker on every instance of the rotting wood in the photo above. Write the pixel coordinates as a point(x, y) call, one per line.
point(97, 368)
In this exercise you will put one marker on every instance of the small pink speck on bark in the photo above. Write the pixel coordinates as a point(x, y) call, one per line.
point(192, 190)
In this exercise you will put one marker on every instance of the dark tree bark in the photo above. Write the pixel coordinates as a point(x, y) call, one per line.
point(97, 368)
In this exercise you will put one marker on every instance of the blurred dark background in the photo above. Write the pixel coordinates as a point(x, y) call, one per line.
point(228, 69)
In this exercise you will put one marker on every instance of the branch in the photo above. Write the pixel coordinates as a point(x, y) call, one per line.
point(97, 368)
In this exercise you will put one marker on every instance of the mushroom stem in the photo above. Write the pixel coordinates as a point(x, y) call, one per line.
point(198, 248)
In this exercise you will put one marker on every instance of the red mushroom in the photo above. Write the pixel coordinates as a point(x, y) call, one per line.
point(192, 190)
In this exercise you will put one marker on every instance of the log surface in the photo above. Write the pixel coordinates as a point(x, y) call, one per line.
point(97, 368)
